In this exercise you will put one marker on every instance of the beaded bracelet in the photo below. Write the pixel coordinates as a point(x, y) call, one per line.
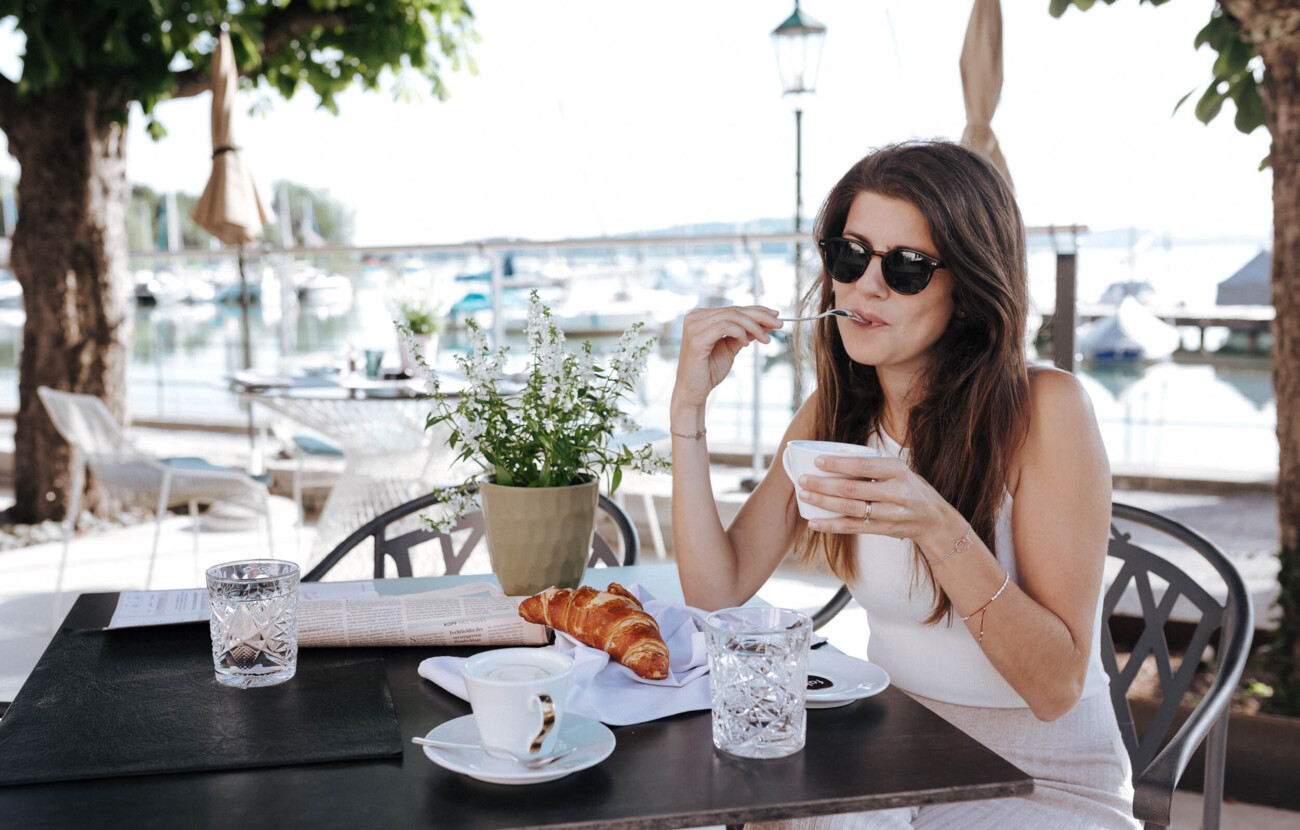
point(985, 607)
point(962, 544)
point(694, 436)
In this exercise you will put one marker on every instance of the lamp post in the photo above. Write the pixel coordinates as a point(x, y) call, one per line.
point(798, 43)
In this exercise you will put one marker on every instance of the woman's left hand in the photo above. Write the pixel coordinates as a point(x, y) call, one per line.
point(902, 504)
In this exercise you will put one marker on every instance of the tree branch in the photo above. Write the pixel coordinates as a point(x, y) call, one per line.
point(8, 102)
point(283, 25)
point(190, 83)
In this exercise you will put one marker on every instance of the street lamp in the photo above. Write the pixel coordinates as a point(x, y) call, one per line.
point(798, 44)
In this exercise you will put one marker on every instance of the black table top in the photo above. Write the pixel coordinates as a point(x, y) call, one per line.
point(883, 751)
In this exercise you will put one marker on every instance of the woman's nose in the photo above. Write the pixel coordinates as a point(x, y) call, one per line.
point(872, 282)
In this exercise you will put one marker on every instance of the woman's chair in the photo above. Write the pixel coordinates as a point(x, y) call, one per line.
point(396, 533)
point(1156, 770)
point(135, 477)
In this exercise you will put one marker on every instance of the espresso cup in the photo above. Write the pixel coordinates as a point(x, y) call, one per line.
point(518, 697)
point(800, 459)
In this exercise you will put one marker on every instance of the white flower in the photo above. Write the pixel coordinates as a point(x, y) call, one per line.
point(556, 432)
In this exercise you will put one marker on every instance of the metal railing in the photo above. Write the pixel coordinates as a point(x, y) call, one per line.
point(1064, 240)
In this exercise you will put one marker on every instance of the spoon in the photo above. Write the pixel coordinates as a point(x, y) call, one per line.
point(834, 312)
point(530, 763)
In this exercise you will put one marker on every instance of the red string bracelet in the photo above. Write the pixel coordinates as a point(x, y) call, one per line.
point(983, 608)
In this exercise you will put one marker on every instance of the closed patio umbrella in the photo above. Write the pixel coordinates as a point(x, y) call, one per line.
point(981, 80)
point(230, 208)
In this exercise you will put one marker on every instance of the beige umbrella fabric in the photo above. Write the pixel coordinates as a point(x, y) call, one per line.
point(230, 208)
point(981, 79)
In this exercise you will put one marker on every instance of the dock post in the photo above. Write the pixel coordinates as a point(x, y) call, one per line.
point(1066, 316)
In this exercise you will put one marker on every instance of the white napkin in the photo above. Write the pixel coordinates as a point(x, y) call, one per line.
point(605, 690)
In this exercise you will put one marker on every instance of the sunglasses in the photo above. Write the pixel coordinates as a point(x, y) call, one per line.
point(906, 271)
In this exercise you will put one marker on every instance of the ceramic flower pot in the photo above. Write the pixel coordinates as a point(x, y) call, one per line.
point(428, 346)
point(539, 536)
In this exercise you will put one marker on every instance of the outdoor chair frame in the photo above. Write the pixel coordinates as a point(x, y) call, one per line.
point(1155, 770)
point(398, 548)
point(131, 475)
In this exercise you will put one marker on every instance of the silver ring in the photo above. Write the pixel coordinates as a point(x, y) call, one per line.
point(867, 517)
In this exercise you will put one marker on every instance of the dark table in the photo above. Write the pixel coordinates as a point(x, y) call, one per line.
point(883, 751)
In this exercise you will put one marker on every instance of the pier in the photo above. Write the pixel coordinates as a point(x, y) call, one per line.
point(1251, 319)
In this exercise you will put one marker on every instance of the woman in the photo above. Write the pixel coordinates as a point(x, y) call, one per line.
point(976, 541)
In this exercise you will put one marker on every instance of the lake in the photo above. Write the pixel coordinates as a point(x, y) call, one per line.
point(1188, 417)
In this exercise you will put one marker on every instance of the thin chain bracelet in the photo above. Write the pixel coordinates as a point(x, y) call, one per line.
point(694, 436)
point(962, 544)
point(985, 607)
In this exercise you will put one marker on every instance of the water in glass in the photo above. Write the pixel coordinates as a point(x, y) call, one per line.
point(254, 622)
point(758, 673)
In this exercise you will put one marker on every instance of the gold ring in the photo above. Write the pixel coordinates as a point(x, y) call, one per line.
point(867, 517)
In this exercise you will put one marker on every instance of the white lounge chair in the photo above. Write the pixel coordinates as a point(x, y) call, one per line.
point(135, 477)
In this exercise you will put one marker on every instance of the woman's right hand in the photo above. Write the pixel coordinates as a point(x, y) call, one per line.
point(711, 339)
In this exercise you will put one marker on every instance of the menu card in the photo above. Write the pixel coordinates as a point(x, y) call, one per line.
point(355, 614)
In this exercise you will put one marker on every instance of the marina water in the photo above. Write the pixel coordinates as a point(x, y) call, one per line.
point(1193, 415)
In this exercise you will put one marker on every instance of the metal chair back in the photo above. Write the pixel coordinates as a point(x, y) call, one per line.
point(1156, 770)
point(459, 543)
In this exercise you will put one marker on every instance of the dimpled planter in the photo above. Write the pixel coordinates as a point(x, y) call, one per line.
point(539, 536)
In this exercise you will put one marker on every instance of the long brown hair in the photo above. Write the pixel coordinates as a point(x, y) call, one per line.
point(972, 410)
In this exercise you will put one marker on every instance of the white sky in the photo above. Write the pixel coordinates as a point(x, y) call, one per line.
point(593, 117)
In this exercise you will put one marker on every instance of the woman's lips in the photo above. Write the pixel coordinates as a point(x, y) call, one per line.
point(869, 321)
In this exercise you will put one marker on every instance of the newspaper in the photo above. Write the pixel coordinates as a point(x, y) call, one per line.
point(429, 619)
point(355, 614)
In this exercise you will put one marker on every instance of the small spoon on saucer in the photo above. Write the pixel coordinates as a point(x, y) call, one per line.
point(530, 763)
point(833, 312)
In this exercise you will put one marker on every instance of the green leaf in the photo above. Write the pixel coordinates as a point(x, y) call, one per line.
point(1210, 104)
point(1183, 100)
point(1209, 32)
point(1250, 106)
point(1265, 163)
point(616, 480)
point(1233, 58)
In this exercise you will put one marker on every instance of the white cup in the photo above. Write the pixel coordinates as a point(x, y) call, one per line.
point(799, 459)
point(518, 698)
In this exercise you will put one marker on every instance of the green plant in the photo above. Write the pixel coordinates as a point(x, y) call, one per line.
point(419, 303)
point(555, 430)
point(421, 319)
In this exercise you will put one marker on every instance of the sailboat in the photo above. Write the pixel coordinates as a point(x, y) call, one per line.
point(1132, 334)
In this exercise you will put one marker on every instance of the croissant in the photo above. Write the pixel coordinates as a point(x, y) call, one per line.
point(611, 620)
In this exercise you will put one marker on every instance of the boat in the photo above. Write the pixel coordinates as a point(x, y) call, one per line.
point(582, 307)
point(1130, 335)
point(1117, 291)
point(154, 288)
point(321, 288)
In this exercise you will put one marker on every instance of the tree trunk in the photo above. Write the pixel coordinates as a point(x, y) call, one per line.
point(69, 254)
point(1273, 26)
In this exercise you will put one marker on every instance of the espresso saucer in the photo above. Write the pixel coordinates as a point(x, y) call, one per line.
point(838, 680)
point(593, 740)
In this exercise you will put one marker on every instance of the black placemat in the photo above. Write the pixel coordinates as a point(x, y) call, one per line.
point(138, 701)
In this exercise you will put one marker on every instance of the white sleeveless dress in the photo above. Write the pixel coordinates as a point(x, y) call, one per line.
point(1082, 776)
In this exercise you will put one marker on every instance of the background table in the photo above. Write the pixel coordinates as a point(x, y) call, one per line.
point(389, 457)
point(883, 751)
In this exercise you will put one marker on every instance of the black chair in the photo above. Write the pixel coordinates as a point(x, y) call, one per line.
point(1156, 770)
point(832, 607)
point(398, 547)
